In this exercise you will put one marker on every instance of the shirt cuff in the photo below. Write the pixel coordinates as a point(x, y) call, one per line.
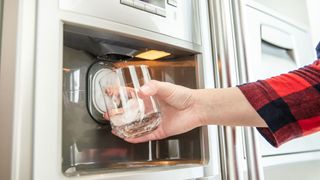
point(288, 103)
point(258, 95)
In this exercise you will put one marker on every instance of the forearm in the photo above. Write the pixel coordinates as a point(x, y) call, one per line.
point(226, 107)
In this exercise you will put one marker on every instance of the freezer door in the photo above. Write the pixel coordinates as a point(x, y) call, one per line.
point(50, 134)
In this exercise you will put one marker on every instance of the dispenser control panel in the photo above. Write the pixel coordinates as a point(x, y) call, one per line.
point(157, 7)
point(173, 18)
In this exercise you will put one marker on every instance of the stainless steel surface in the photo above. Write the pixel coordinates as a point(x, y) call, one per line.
point(239, 38)
point(47, 143)
point(233, 168)
point(231, 54)
point(16, 90)
point(177, 22)
point(155, 7)
point(222, 25)
point(134, 40)
point(89, 147)
point(174, 149)
point(252, 153)
point(207, 75)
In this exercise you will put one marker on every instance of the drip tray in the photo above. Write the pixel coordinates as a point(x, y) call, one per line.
point(127, 166)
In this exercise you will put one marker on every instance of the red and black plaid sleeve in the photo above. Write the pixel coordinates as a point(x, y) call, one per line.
point(289, 103)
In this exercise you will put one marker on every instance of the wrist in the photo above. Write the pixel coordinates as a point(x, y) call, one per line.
point(200, 106)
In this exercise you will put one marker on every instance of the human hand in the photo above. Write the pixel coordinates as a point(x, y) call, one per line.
point(179, 112)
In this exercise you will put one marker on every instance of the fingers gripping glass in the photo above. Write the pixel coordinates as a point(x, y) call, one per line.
point(130, 116)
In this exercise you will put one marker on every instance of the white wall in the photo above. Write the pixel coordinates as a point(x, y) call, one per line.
point(314, 17)
point(294, 9)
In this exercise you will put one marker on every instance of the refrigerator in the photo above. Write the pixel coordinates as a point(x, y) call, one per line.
point(52, 127)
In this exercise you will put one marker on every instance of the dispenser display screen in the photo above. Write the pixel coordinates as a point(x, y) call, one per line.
point(159, 3)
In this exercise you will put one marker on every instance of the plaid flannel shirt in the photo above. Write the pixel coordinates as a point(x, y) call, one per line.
point(288, 103)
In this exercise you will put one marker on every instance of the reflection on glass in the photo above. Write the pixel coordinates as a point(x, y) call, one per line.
point(130, 116)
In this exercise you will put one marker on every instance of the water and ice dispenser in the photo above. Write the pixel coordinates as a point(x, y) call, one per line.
point(88, 144)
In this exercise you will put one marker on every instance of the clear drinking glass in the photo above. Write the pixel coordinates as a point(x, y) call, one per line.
point(129, 115)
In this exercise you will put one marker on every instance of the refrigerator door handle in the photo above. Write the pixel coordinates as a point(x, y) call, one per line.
point(225, 65)
point(276, 37)
point(230, 63)
point(253, 156)
point(255, 170)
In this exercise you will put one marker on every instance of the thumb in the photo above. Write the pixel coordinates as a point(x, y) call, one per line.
point(161, 89)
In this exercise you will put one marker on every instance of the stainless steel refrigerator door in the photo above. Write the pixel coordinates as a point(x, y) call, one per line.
point(47, 114)
point(29, 91)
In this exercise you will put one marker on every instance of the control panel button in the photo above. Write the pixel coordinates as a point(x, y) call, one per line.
point(161, 12)
point(127, 2)
point(139, 5)
point(173, 3)
point(150, 9)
